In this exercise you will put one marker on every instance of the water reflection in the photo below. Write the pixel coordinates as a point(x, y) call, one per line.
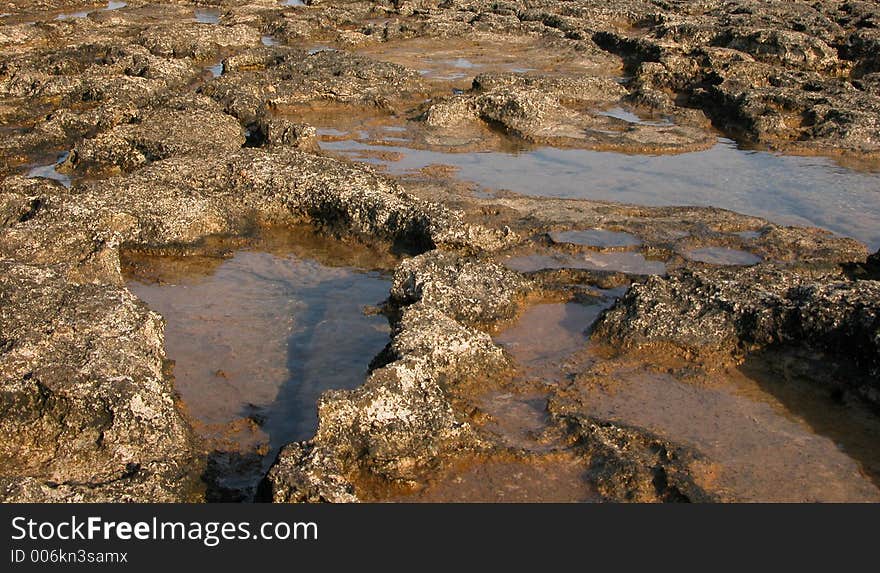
point(788, 190)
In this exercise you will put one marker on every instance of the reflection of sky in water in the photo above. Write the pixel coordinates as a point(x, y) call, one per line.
point(207, 15)
point(624, 262)
point(111, 5)
point(282, 329)
point(596, 237)
point(50, 171)
point(723, 256)
point(72, 15)
point(785, 189)
point(630, 117)
point(267, 334)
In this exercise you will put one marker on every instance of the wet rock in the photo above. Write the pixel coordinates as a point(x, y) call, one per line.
point(280, 131)
point(303, 474)
point(778, 80)
point(88, 71)
point(90, 88)
point(15, 208)
point(453, 351)
point(873, 262)
point(744, 310)
point(551, 111)
point(794, 49)
point(88, 414)
point(401, 422)
point(632, 465)
point(68, 250)
point(581, 88)
point(396, 426)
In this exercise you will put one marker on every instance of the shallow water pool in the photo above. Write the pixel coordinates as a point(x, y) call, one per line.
point(256, 338)
point(787, 190)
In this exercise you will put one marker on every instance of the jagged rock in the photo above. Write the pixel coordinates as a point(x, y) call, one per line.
point(158, 135)
point(470, 291)
point(629, 464)
point(86, 422)
point(737, 311)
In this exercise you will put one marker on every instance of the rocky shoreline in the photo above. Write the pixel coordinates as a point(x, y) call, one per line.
point(162, 157)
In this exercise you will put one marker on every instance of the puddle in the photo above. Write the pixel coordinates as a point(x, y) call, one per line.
point(630, 117)
point(316, 49)
point(560, 478)
point(758, 448)
point(459, 61)
point(540, 341)
point(545, 335)
point(517, 419)
point(207, 15)
point(440, 69)
point(596, 238)
point(768, 430)
point(73, 15)
point(788, 190)
point(256, 338)
point(268, 41)
point(50, 171)
point(292, 3)
point(723, 256)
point(216, 70)
point(748, 235)
point(622, 262)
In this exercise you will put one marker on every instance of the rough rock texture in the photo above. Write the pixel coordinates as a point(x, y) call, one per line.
point(401, 422)
point(628, 464)
point(255, 83)
point(115, 431)
point(196, 40)
point(746, 310)
point(158, 135)
point(89, 415)
point(562, 113)
point(85, 422)
point(470, 291)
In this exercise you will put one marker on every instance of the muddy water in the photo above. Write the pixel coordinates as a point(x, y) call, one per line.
point(257, 337)
point(788, 190)
point(761, 447)
point(539, 468)
point(548, 334)
point(552, 478)
point(769, 431)
point(723, 256)
point(456, 63)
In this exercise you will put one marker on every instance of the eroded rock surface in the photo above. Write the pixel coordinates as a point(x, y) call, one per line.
point(178, 127)
point(747, 310)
